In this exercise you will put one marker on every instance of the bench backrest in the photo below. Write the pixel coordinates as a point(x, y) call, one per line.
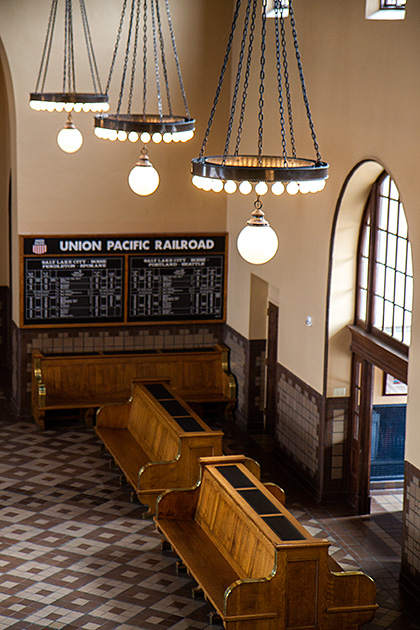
point(226, 520)
point(158, 429)
point(190, 372)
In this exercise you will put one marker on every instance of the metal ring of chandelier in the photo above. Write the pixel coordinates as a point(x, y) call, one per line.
point(69, 101)
point(254, 169)
point(177, 127)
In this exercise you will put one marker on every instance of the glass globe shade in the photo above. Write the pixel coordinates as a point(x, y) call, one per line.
point(230, 186)
point(277, 188)
point(257, 244)
point(69, 139)
point(292, 188)
point(143, 180)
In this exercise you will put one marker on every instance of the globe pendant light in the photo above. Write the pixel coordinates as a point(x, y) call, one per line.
point(146, 16)
point(69, 99)
point(143, 178)
point(257, 243)
point(243, 172)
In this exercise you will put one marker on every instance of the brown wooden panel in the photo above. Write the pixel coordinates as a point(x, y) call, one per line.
point(302, 594)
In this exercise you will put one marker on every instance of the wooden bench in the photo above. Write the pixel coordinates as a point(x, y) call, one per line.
point(255, 563)
point(87, 381)
point(155, 439)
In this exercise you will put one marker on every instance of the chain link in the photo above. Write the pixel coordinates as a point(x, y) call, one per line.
point(127, 52)
point(178, 67)
point(277, 7)
point(246, 80)
point(222, 74)
point(46, 52)
point(287, 85)
point(163, 57)
point(117, 43)
point(155, 56)
point(134, 59)
point(302, 81)
point(90, 51)
point(262, 78)
point(238, 79)
point(144, 57)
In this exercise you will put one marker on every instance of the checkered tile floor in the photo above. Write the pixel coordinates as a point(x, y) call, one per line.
point(76, 553)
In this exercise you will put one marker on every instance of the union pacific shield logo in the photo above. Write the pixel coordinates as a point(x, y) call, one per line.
point(39, 246)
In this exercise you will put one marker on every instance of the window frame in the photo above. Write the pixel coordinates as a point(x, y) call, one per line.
point(370, 220)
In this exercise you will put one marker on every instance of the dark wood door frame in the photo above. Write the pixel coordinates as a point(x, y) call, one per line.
point(368, 352)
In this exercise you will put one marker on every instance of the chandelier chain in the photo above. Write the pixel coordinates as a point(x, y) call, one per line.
point(133, 63)
point(127, 52)
point(262, 78)
point(156, 60)
point(246, 80)
point(287, 85)
point(144, 56)
point(222, 74)
point(46, 52)
point(163, 57)
point(90, 51)
point(69, 74)
point(238, 79)
point(302, 81)
point(279, 81)
point(178, 66)
point(117, 43)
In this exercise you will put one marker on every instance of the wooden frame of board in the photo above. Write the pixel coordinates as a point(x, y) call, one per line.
point(86, 280)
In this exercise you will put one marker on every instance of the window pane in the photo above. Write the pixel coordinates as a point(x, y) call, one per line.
point(391, 254)
point(389, 284)
point(399, 289)
point(378, 312)
point(393, 216)
point(401, 254)
point(409, 261)
point(407, 328)
point(409, 293)
point(380, 280)
point(398, 323)
point(362, 305)
point(388, 317)
point(364, 268)
point(383, 213)
point(384, 188)
point(393, 190)
point(402, 224)
point(381, 251)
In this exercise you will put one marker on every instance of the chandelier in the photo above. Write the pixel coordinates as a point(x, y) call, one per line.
point(69, 99)
point(232, 170)
point(146, 22)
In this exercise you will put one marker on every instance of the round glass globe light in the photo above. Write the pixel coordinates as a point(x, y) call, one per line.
point(257, 244)
point(69, 140)
point(143, 180)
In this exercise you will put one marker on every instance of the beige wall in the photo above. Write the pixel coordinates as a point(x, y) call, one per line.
point(87, 192)
point(364, 89)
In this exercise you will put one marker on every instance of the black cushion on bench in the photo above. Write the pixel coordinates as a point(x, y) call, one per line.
point(235, 477)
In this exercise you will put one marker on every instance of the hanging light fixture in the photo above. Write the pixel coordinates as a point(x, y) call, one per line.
point(144, 126)
point(232, 170)
point(69, 99)
point(257, 243)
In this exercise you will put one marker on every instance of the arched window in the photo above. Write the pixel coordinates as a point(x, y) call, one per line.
point(385, 270)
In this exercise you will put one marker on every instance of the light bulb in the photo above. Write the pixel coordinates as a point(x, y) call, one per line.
point(145, 137)
point(133, 136)
point(216, 185)
point(122, 135)
point(257, 244)
point(230, 186)
point(245, 188)
point(167, 137)
point(292, 188)
point(69, 139)
point(143, 179)
point(261, 188)
point(277, 188)
point(157, 137)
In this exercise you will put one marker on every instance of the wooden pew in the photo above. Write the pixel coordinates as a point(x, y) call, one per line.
point(87, 381)
point(255, 563)
point(155, 439)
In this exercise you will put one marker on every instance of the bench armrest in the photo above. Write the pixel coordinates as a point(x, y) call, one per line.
point(114, 415)
point(177, 504)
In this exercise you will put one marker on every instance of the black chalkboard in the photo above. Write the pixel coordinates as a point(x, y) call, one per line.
point(73, 280)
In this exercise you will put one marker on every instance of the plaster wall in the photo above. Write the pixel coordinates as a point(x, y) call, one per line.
point(87, 192)
point(363, 84)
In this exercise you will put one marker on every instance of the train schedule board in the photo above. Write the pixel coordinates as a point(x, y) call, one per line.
point(105, 280)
